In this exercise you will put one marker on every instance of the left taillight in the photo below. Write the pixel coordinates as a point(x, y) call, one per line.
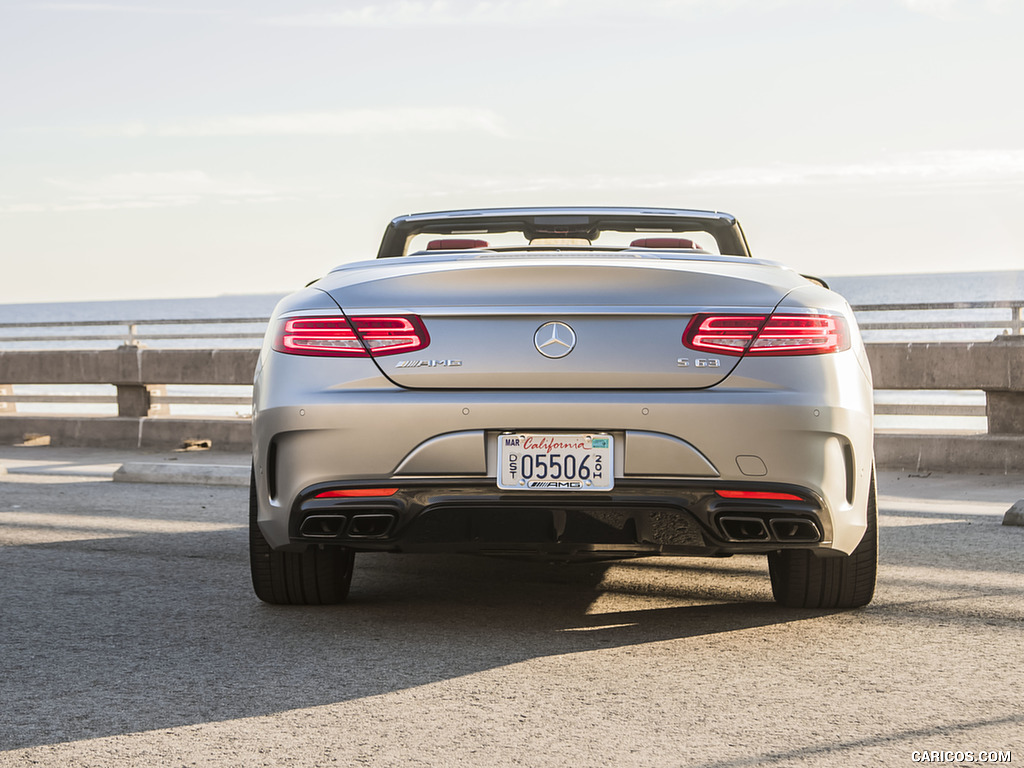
point(767, 335)
point(359, 336)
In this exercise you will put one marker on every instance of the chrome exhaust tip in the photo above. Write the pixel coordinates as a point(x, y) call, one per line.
point(369, 526)
point(738, 528)
point(794, 529)
point(322, 526)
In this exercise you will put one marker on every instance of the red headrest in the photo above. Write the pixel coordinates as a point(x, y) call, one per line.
point(455, 244)
point(663, 242)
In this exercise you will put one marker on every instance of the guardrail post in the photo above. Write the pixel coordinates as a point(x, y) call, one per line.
point(133, 400)
point(1004, 400)
point(7, 407)
point(1005, 411)
point(136, 401)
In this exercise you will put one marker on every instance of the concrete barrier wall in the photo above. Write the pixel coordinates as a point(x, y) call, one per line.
point(128, 365)
point(137, 373)
point(997, 368)
point(991, 366)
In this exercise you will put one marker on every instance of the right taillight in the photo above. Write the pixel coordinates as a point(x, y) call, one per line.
point(338, 336)
point(767, 335)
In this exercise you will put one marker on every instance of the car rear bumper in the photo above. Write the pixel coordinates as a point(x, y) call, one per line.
point(438, 448)
point(636, 518)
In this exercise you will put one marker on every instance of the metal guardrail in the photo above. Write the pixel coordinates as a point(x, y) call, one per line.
point(1008, 317)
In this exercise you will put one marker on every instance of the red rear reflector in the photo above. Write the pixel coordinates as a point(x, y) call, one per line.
point(351, 337)
point(767, 335)
point(758, 495)
point(348, 493)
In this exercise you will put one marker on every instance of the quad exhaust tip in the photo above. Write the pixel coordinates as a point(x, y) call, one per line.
point(785, 529)
point(793, 529)
point(342, 526)
point(323, 526)
point(369, 526)
point(744, 528)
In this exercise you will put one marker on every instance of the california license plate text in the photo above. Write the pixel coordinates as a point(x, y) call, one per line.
point(565, 462)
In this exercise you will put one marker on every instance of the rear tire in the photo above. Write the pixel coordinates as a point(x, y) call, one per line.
point(320, 575)
point(802, 580)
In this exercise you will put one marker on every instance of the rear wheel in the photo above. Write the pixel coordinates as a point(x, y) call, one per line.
point(320, 575)
point(802, 580)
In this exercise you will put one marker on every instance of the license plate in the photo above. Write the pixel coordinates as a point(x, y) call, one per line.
point(567, 462)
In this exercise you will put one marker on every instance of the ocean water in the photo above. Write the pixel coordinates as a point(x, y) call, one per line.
point(858, 290)
point(255, 305)
point(933, 287)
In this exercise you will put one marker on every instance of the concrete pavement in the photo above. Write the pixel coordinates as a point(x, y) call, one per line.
point(131, 638)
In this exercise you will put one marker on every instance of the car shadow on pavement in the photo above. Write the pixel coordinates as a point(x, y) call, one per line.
point(128, 609)
point(121, 634)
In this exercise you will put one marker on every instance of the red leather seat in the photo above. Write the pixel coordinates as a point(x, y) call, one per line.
point(455, 244)
point(663, 242)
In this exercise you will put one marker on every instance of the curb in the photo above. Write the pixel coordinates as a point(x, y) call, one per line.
point(1015, 514)
point(183, 474)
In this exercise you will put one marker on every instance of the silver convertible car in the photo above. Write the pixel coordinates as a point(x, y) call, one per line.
point(564, 383)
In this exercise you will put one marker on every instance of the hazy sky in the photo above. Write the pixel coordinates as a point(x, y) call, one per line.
point(169, 148)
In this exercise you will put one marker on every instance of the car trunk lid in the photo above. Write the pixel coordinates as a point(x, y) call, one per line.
point(558, 322)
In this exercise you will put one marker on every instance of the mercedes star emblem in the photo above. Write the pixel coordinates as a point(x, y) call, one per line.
point(554, 339)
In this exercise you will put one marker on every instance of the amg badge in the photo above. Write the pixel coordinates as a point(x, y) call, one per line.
point(429, 364)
